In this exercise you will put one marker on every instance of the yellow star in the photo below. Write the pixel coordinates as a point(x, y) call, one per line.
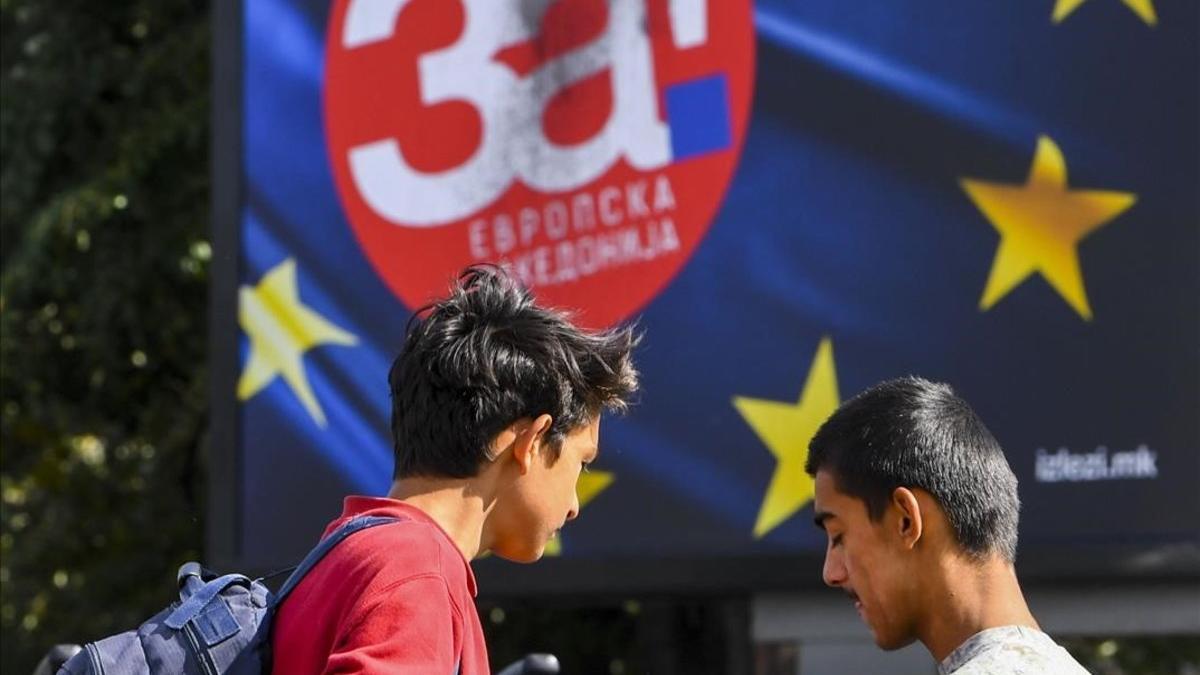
point(281, 329)
point(590, 485)
point(786, 429)
point(1040, 224)
point(1143, 8)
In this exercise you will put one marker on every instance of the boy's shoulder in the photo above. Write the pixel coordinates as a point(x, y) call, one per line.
point(413, 546)
point(1012, 650)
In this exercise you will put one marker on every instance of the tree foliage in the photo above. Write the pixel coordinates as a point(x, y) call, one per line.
point(104, 225)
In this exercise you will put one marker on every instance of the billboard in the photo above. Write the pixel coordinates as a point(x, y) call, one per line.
point(793, 200)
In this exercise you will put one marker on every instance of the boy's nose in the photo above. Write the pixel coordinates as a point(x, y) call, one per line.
point(834, 572)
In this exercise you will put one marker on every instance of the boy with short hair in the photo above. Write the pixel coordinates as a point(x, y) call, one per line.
point(920, 509)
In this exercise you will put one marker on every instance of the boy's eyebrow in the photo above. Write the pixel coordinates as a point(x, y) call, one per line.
point(821, 516)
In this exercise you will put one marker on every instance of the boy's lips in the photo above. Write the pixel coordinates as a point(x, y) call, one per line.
point(858, 606)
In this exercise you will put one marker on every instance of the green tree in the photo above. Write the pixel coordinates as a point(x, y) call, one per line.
point(104, 226)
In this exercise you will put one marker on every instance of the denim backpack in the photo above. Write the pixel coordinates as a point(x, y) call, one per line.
point(219, 626)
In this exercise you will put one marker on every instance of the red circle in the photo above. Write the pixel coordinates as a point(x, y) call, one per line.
point(373, 92)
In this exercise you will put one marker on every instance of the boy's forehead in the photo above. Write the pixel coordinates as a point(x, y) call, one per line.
point(587, 437)
point(824, 486)
point(828, 497)
point(591, 431)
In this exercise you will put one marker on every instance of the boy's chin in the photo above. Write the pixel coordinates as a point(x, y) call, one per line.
point(528, 556)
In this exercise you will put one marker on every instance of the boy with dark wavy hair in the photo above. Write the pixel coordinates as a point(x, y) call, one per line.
point(496, 407)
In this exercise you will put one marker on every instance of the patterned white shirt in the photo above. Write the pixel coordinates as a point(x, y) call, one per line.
point(1010, 650)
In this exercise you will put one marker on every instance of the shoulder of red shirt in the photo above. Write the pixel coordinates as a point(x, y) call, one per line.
point(414, 547)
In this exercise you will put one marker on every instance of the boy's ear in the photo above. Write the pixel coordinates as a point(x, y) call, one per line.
point(528, 438)
point(910, 524)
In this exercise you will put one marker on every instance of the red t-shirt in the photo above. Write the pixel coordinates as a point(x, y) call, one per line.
point(396, 598)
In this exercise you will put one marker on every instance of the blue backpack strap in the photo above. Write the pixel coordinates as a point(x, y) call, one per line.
point(197, 601)
point(310, 561)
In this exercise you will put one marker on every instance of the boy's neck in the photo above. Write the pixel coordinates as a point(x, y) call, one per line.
point(456, 505)
point(973, 596)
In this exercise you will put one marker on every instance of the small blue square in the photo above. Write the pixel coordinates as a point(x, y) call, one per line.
point(698, 115)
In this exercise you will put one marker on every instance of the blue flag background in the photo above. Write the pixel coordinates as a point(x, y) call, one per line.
point(848, 249)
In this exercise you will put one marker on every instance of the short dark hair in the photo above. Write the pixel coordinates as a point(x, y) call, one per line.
point(910, 432)
point(487, 355)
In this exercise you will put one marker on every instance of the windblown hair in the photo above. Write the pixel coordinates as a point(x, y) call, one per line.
point(488, 355)
point(910, 432)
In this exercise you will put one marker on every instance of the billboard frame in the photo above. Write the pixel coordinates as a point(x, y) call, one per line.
point(224, 508)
